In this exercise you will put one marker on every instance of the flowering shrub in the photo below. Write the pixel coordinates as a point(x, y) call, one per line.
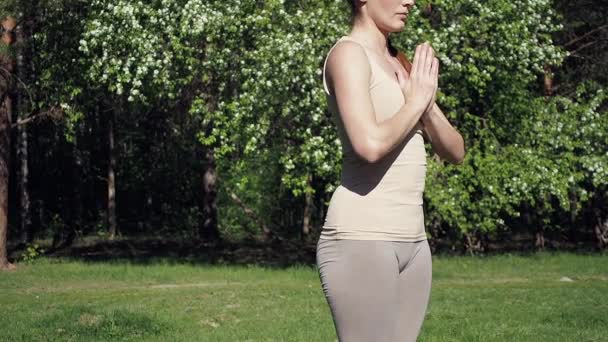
point(256, 68)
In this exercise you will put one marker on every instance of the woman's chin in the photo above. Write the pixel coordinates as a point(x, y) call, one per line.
point(398, 27)
point(394, 26)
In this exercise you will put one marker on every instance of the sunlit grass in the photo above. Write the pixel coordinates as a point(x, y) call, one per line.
point(542, 297)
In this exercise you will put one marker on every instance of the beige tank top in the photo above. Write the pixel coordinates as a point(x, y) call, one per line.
point(382, 200)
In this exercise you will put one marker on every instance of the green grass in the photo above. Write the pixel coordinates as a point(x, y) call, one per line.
point(499, 298)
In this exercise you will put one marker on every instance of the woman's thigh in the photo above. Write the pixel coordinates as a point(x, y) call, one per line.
point(360, 282)
point(414, 292)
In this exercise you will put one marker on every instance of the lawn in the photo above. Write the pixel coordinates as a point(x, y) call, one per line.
point(539, 297)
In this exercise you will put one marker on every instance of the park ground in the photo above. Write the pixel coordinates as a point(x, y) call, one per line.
point(546, 296)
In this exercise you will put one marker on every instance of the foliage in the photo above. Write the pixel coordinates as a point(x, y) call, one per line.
point(146, 49)
point(523, 150)
point(243, 78)
point(560, 149)
point(32, 252)
point(9, 8)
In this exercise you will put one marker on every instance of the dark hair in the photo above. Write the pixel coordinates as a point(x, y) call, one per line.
point(353, 8)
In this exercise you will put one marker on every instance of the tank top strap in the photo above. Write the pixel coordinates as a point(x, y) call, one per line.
point(350, 40)
point(341, 39)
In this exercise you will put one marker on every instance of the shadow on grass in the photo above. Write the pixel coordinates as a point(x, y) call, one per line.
point(82, 323)
point(276, 253)
point(149, 250)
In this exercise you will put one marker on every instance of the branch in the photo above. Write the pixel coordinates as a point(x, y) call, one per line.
point(575, 56)
point(586, 35)
point(582, 47)
point(5, 110)
point(6, 75)
point(51, 112)
point(249, 212)
point(29, 94)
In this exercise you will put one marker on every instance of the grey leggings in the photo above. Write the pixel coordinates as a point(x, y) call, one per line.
point(377, 291)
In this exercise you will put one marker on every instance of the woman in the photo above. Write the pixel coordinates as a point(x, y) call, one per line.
point(373, 256)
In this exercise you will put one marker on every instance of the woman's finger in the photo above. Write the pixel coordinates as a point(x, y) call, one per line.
point(435, 68)
point(428, 62)
point(416, 63)
point(423, 53)
point(425, 66)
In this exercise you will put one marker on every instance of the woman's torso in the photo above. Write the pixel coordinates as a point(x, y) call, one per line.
point(382, 200)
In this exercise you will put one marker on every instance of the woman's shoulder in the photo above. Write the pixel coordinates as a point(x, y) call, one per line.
point(347, 54)
point(346, 63)
point(346, 46)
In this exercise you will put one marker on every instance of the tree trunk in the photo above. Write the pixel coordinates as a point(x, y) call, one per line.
point(22, 151)
point(601, 230)
point(307, 211)
point(548, 80)
point(111, 214)
point(24, 33)
point(540, 239)
point(473, 243)
point(529, 221)
point(208, 229)
point(24, 194)
point(6, 112)
point(5, 146)
point(573, 204)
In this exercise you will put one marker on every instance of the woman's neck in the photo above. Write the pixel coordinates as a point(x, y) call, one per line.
point(370, 35)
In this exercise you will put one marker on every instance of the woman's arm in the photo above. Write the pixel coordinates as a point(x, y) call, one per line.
point(445, 139)
point(348, 74)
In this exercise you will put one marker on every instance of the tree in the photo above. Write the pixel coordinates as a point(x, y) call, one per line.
point(7, 66)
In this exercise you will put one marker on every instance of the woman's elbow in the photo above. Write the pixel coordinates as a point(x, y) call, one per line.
point(457, 161)
point(369, 151)
point(458, 157)
point(369, 156)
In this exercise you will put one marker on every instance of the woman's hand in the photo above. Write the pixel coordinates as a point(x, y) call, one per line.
point(420, 86)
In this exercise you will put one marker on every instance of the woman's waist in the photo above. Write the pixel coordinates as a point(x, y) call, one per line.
point(381, 195)
point(345, 215)
point(394, 184)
